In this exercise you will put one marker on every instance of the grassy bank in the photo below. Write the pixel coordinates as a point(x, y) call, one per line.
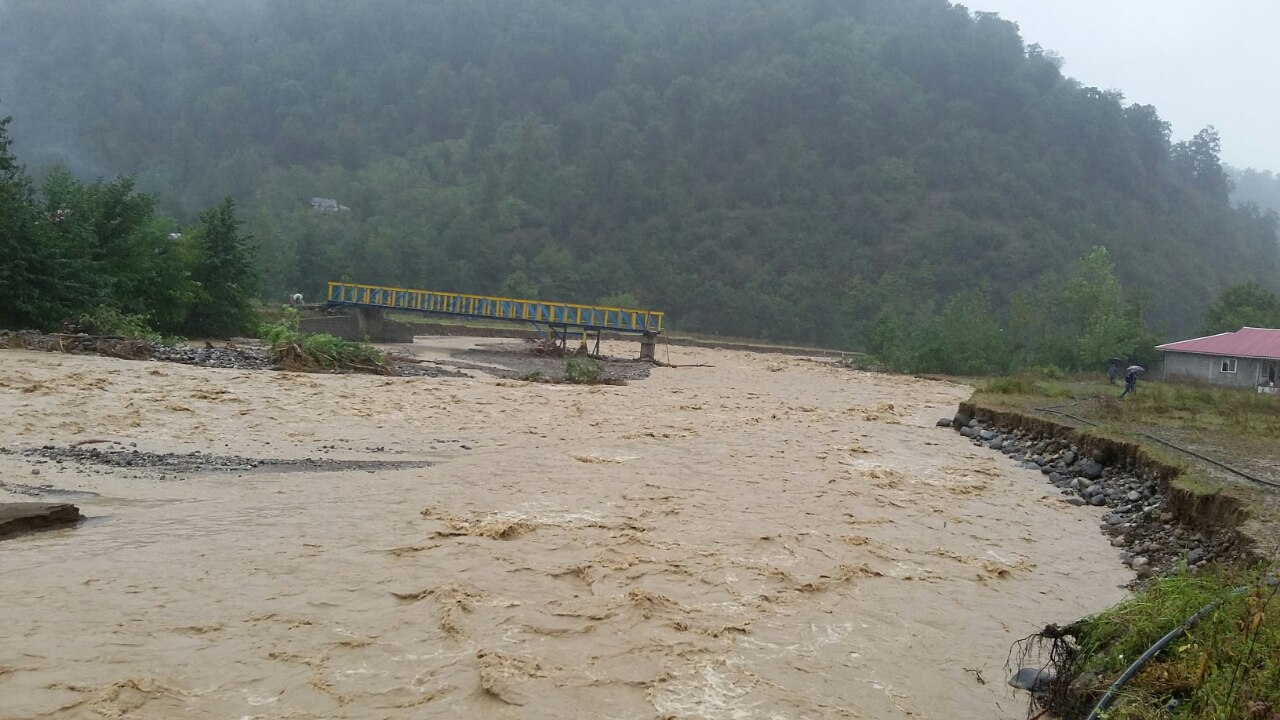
point(1228, 665)
point(1225, 666)
point(1237, 427)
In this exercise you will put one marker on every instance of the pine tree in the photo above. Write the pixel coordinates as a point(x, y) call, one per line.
point(28, 262)
point(225, 275)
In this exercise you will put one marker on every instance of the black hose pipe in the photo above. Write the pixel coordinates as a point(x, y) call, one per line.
point(1114, 691)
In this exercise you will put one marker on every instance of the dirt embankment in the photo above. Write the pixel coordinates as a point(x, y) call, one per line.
point(1158, 513)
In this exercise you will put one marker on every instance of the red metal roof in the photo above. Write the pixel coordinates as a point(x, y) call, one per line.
point(1245, 342)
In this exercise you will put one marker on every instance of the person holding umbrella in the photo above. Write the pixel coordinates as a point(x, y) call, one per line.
point(1113, 369)
point(1131, 379)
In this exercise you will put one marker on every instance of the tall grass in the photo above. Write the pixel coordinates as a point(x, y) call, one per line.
point(1029, 383)
point(1193, 406)
point(1198, 406)
point(1226, 666)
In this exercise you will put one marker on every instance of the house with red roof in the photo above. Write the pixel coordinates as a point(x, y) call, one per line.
point(1246, 358)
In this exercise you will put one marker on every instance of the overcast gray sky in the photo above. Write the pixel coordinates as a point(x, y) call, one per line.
point(1200, 62)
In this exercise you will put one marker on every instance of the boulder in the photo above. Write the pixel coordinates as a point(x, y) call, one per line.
point(1091, 469)
point(1031, 679)
point(27, 517)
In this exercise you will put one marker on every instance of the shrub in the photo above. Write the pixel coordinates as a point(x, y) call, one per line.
point(583, 371)
point(319, 352)
point(107, 320)
point(1020, 384)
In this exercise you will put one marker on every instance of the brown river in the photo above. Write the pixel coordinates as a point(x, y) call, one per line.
point(771, 537)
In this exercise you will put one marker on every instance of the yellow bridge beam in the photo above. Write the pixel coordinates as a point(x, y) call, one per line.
point(556, 314)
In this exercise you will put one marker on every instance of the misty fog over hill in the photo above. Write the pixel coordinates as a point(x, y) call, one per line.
point(794, 170)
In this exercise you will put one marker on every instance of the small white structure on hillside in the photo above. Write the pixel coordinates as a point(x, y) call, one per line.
point(320, 204)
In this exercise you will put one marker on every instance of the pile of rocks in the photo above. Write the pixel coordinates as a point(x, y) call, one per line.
point(128, 348)
point(1138, 520)
point(405, 365)
point(237, 358)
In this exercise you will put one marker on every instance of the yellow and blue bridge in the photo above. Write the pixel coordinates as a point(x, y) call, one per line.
point(561, 318)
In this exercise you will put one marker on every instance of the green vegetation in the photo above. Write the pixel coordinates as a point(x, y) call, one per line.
point(319, 352)
point(223, 275)
point(1079, 321)
point(583, 371)
point(1248, 305)
point(577, 371)
point(1258, 187)
point(100, 257)
point(1227, 666)
point(1238, 427)
point(105, 320)
point(834, 173)
point(1211, 414)
point(1029, 383)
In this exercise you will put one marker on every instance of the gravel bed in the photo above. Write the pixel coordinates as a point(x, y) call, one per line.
point(198, 462)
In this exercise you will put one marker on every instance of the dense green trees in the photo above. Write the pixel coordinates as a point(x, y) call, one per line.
point(1259, 187)
point(28, 275)
point(1076, 321)
point(805, 170)
point(101, 253)
point(1247, 305)
point(223, 275)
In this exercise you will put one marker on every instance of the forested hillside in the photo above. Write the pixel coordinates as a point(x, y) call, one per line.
point(1260, 187)
point(786, 169)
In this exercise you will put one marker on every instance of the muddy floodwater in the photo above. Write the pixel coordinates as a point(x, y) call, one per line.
point(771, 537)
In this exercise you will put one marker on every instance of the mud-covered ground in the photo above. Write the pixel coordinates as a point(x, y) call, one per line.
point(767, 537)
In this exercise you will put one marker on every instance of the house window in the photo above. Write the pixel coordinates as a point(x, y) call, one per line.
point(1228, 365)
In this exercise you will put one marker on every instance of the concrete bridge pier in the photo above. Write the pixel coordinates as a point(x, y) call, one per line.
point(368, 321)
point(648, 346)
point(359, 324)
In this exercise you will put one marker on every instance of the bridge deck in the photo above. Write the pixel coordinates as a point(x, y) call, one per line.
point(555, 314)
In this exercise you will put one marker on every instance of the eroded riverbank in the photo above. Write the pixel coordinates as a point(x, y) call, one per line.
point(768, 537)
